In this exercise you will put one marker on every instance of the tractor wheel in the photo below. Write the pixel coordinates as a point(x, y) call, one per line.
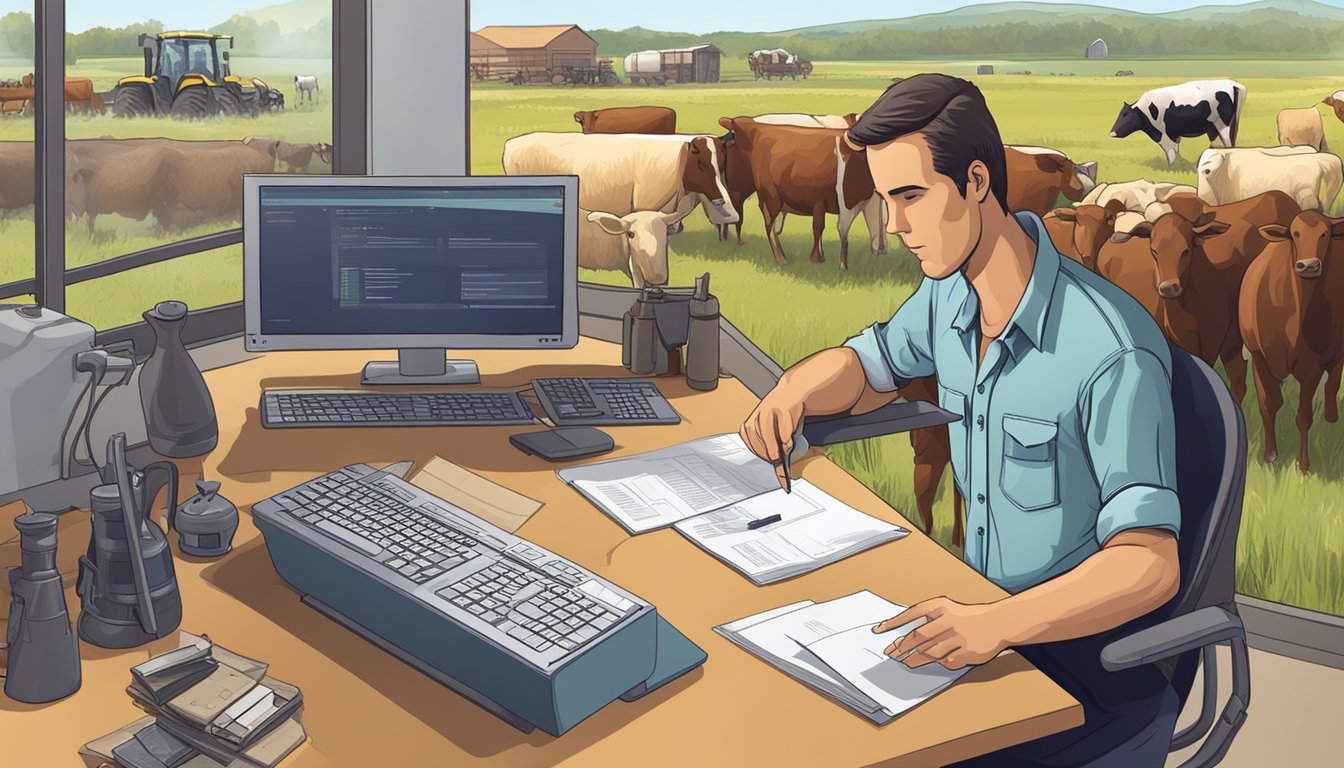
point(131, 101)
point(610, 79)
point(229, 102)
point(193, 103)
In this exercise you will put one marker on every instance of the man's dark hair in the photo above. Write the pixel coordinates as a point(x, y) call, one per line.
point(951, 115)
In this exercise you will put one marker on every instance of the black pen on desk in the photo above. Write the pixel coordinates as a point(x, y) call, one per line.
point(764, 521)
point(784, 458)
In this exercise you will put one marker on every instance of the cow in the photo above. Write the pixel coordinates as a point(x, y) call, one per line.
point(1227, 176)
point(133, 184)
point(17, 166)
point(635, 243)
point(1336, 102)
point(295, 158)
point(1301, 127)
point(305, 85)
point(1080, 233)
point(620, 174)
point(206, 184)
point(79, 93)
point(1186, 204)
point(1135, 195)
point(933, 452)
point(1290, 313)
point(1129, 264)
point(1198, 108)
point(741, 187)
point(1037, 176)
point(1199, 266)
point(656, 120)
point(805, 171)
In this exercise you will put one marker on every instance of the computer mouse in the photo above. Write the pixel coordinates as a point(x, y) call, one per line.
point(563, 443)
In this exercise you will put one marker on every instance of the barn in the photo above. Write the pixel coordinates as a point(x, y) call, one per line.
point(501, 51)
point(696, 64)
point(1098, 50)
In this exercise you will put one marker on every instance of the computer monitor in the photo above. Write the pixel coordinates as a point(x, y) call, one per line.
point(419, 264)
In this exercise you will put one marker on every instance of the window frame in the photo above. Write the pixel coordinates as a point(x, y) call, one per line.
point(349, 53)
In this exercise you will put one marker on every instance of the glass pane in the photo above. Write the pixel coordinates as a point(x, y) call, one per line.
point(16, 145)
point(163, 119)
point(1291, 543)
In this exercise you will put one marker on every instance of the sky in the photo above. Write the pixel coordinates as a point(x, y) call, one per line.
point(695, 16)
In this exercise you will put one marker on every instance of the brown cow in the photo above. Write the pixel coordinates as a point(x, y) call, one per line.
point(17, 165)
point(1038, 176)
point(207, 184)
point(133, 184)
point(1199, 269)
point(798, 170)
point(628, 120)
point(1291, 312)
point(1130, 265)
point(933, 453)
point(1336, 102)
point(1079, 233)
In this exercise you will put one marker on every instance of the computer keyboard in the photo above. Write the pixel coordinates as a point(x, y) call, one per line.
point(343, 408)
point(594, 401)
point(501, 617)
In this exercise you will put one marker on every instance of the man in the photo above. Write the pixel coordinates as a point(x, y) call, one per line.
point(1065, 452)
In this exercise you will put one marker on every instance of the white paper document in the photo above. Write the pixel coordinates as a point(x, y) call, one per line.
point(814, 529)
point(831, 647)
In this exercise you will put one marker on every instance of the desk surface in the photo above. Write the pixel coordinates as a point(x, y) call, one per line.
point(362, 707)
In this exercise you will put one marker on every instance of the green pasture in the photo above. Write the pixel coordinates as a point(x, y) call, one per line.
point(1292, 544)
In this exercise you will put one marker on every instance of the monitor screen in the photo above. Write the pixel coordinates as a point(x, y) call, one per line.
point(385, 259)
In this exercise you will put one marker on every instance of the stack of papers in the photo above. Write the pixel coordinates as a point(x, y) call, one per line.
point(831, 647)
point(211, 707)
point(711, 489)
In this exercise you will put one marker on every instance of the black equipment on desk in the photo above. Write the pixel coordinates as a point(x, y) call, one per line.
point(522, 632)
point(43, 651)
point(573, 401)
point(344, 408)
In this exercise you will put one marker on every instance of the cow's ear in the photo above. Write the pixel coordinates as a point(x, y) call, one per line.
point(1064, 214)
point(1212, 229)
point(727, 122)
point(578, 118)
point(1050, 163)
point(1115, 207)
point(694, 145)
point(1204, 220)
point(609, 222)
point(1275, 233)
point(1329, 101)
point(1143, 229)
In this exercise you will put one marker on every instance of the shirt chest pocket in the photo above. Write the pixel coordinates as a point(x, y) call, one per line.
point(1029, 476)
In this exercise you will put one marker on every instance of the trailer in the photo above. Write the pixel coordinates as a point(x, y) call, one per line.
point(694, 64)
point(603, 73)
point(778, 63)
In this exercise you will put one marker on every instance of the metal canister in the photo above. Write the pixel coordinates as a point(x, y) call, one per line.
point(644, 343)
point(702, 339)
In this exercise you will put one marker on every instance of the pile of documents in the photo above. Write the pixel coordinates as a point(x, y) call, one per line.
point(212, 708)
point(714, 490)
point(831, 647)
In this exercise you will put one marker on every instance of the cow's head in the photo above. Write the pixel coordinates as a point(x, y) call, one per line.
point(705, 172)
point(1128, 121)
point(1210, 163)
point(325, 152)
point(585, 119)
point(1093, 226)
point(1174, 242)
point(1335, 101)
point(645, 236)
point(1309, 237)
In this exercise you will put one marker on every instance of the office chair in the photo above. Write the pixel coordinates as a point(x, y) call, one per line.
point(1211, 480)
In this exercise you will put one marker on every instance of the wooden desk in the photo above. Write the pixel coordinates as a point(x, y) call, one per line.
point(362, 707)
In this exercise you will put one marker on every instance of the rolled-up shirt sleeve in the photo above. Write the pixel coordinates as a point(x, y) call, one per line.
point(1130, 437)
point(900, 349)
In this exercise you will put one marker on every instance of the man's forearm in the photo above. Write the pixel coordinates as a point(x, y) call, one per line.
point(1134, 574)
point(832, 381)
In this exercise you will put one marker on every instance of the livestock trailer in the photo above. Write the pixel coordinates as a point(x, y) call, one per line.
point(778, 63)
point(694, 64)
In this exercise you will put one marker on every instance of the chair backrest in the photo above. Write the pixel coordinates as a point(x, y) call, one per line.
point(1211, 482)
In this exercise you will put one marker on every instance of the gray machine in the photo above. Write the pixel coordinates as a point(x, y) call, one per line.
point(206, 522)
point(43, 651)
point(127, 586)
point(526, 634)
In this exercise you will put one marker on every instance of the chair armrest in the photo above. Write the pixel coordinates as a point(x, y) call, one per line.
point(1172, 638)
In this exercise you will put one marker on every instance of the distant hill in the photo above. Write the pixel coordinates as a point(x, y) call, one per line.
point(292, 16)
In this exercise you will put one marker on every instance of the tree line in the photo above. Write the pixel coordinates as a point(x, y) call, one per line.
point(250, 37)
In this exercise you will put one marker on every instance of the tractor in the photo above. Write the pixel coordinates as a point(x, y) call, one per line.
point(186, 75)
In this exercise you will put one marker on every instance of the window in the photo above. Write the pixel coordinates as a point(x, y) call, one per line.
point(16, 154)
point(182, 101)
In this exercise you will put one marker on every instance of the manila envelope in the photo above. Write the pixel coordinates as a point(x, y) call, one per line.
point(486, 499)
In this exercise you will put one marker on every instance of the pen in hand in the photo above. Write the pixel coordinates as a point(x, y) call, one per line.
point(784, 459)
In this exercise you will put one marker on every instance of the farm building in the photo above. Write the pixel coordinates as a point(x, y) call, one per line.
point(498, 51)
point(1098, 50)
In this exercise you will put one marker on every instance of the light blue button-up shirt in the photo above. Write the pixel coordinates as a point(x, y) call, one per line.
point(1067, 434)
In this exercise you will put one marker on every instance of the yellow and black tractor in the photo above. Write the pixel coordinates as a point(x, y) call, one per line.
point(187, 75)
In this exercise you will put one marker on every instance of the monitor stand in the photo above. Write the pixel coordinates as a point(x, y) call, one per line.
point(421, 366)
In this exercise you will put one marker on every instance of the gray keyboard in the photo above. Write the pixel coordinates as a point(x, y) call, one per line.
point(344, 408)
point(514, 593)
point(573, 400)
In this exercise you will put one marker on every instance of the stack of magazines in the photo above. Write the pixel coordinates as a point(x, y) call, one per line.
point(211, 707)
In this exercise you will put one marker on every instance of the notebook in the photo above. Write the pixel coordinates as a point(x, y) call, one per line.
point(831, 648)
point(711, 489)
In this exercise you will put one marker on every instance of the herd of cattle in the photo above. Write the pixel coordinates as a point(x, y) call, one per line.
point(1239, 266)
point(181, 183)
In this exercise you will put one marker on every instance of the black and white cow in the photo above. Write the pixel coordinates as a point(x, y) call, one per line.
point(1198, 108)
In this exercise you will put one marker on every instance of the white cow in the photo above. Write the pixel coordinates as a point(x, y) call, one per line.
point(305, 85)
point(1311, 178)
point(623, 174)
point(1136, 195)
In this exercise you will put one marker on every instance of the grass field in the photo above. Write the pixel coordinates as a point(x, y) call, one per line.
point(1292, 540)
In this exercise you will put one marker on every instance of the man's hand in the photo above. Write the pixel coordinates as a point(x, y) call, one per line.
point(954, 635)
point(772, 425)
